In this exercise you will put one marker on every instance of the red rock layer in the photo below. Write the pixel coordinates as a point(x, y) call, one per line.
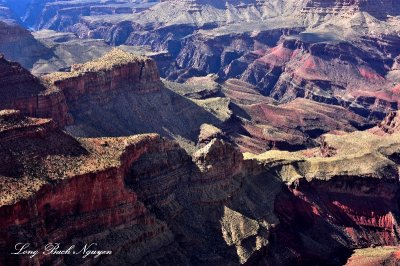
point(391, 124)
point(140, 76)
point(78, 207)
point(344, 212)
point(20, 90)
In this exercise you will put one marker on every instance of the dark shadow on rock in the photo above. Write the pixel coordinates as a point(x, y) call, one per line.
point(127, 113)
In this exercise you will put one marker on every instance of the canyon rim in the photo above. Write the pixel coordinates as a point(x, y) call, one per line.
point(200, 132)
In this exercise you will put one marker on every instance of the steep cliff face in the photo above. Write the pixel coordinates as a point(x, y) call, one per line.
point(116, 70)
point(145, 199)
point(55, 95)
point(127, 90)
point(18, 44)
point(72, 190)
point(21, 90)
point(61, 94)
point(322, 68)
point(352, 192)
point(76, 191)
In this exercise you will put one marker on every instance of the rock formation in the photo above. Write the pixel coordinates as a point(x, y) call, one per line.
point(134, 195)
point(68, 189)
point(259, 147)
point(337, 192)
point(383, 9)
point(334, 52)
point(115, 70)
point(208, 133)
point(19, 89)
point(288, 49)
point(18, 44)
point(294, 125)
point(375, 256)
point(390, 125)
point(126, 89)
point(59, 14)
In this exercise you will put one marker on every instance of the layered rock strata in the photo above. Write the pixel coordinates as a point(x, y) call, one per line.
point(18, 44)
point(19, 89)
point(72, 191)
point(116, 70)
point(380, 10)
point(145, 199)
point(391, 124)
point(352, 193)
point(56, 95)
point(334, 52)
point(265, 124)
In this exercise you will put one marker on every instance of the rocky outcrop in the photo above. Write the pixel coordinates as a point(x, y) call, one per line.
point(145, 199)
point(62, 188)
point(19, 89)
point(337, 194)
point(208, 133)
point(60, 94)
point(121, 94)
point(116, 70)
point(218, 159)
point(390, 125)
point(18, 44)
point(375, 256)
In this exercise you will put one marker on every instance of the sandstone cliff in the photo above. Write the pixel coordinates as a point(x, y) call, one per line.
point(147, 200)
point(116, 70)
point(68, 189)
point(351, 192)
point(19, 89)
point(18, 44)
point(58, 95)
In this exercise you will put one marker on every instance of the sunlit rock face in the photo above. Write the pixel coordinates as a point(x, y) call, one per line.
point(21, 90)
point(379, 9)
point(144, 198)
point(278, 144)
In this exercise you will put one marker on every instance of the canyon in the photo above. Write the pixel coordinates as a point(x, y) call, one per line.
point(127, 89)
point(186, 204)
point(200, 132)
point(145, 199)
point(288, 49)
